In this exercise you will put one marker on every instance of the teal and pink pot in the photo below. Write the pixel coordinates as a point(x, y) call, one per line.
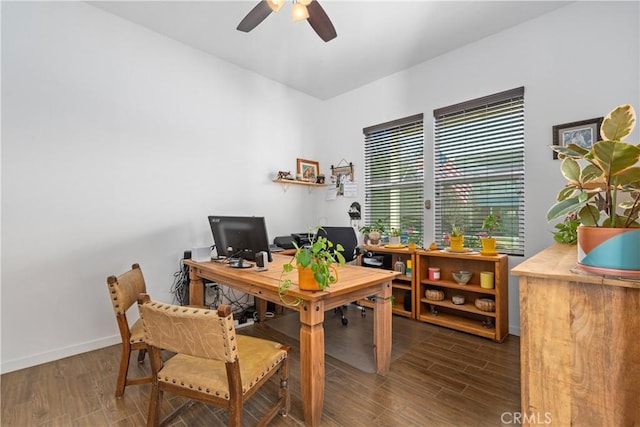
point(609, 251)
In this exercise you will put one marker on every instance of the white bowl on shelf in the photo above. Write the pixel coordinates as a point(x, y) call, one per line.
point(462, 277)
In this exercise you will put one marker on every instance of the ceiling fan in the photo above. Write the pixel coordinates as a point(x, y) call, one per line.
point(302, 9)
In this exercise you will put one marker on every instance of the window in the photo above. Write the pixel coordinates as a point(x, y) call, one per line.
point(479, 168)
point(394, 175)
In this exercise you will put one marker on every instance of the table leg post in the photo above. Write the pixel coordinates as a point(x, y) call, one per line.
point(382, 330)
point(196, 289)
point(312, 361)
point(261, 308)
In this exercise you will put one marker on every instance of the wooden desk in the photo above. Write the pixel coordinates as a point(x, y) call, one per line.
point(353, 283)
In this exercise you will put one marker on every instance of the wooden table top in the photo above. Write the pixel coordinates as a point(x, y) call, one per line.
point(351, 278)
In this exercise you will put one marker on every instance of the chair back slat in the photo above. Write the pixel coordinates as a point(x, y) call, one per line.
point(192, 331)
point(125, 289)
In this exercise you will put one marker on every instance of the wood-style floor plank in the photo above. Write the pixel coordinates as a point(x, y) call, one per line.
point(448, 378)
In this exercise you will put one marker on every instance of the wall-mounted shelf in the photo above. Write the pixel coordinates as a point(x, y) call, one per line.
point(285, 183)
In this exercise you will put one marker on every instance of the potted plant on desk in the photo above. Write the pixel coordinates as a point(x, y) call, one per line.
point(605, 196)
point(315, 264)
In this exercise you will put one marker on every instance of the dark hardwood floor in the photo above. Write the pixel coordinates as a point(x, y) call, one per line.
point(448, 379)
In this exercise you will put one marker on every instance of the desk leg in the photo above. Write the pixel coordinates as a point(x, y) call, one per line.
point(261, 308)
point(312, 361)
point(196, 289)
point(382, 330)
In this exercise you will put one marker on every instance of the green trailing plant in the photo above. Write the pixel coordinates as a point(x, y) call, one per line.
point(376, 226)
point(318, 255)
point(567, 230)
point(605, 192)
point(395, 232)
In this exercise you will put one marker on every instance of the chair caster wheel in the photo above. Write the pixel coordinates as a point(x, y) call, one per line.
point(345, 321)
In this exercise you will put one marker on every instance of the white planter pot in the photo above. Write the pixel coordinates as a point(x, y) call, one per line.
point(394, 240)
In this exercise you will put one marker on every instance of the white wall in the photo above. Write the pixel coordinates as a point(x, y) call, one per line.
point(576, 63)
point(118, 142)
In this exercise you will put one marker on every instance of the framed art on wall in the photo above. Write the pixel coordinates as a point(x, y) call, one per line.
point(583, 133)
point(341, 174)
point(307, 170)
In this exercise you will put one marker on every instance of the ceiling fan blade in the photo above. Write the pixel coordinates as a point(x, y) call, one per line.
point(254, 17)
point(320, 22)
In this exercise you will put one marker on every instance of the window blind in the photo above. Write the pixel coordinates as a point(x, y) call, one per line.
point(479, 168)
point(394, 174)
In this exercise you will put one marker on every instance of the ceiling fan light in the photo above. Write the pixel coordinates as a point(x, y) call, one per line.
point(305, 2)
point(275, 5)
point(299, 12)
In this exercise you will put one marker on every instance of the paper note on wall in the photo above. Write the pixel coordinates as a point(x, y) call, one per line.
point(350, 189)
point(332, 193)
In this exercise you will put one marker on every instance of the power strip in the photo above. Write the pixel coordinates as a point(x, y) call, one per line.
point(239, 325)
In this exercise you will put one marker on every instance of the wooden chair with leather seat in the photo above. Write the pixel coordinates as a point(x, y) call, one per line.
point(124, 291)
point(211, 363)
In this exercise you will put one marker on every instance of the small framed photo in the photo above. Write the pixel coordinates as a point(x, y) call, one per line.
point(307, 170)
point(583, 133)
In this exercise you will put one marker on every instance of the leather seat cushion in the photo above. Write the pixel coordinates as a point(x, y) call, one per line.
point(257, 358)
point(137, 333)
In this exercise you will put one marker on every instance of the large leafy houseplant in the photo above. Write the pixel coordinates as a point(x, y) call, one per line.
point(611, 170)
point(319, 256)
point(603, 192)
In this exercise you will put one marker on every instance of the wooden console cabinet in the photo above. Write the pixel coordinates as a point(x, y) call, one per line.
point(464, 317)
point(403, 286)
point(580, 343)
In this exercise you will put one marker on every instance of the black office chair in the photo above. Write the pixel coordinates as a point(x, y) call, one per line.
point(346, 236)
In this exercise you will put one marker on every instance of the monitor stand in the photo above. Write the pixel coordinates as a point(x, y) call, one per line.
point(239, 263)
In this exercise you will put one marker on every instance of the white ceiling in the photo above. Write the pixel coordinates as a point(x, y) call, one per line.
point(375, 38)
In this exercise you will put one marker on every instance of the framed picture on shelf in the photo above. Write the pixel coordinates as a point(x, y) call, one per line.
point(307, 170)
point(583, 133)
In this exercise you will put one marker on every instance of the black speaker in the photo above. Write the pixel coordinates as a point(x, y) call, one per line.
point(407, 301)
point(262, 259)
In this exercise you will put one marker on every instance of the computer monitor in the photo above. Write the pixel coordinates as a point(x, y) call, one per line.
point(240, 236)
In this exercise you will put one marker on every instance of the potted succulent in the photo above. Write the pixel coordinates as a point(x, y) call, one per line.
point(490, 223)
point(315, 264)
point(603, 191)
point(456, 238)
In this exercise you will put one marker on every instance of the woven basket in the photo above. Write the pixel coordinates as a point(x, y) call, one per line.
point(434, 294)
point(485, 304)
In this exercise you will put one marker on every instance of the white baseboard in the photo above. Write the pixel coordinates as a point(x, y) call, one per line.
point(514, 330)
point(60, 353)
